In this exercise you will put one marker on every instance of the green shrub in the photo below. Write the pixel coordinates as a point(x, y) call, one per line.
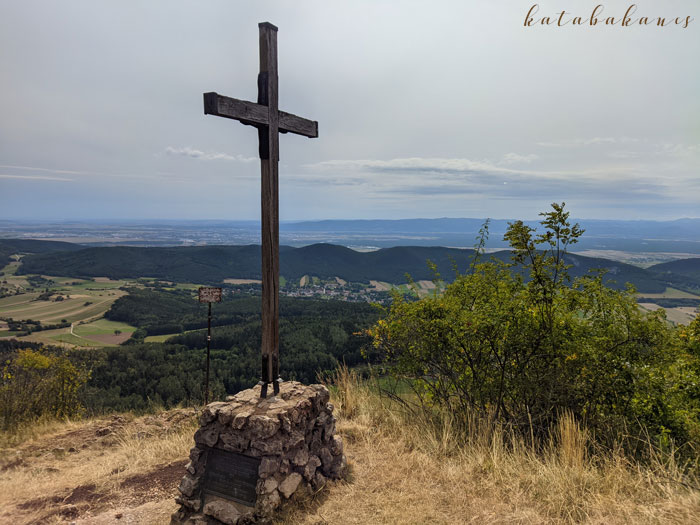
point(522, 348)
point(35, 384)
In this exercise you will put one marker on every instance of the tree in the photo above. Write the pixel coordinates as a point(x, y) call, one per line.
point(519, 344)
point(36, 384)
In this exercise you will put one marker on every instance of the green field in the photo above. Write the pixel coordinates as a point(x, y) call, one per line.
point(97, 333)
point(158, 338)
point(102, 327)
point(76, 307)
point(670, 293)
point(72, 340)
point(82, 302)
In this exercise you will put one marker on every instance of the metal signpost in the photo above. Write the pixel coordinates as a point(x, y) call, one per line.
point(209, 295)
point(270, 122)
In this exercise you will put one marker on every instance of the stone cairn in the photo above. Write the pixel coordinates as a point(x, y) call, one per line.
point(293, 435)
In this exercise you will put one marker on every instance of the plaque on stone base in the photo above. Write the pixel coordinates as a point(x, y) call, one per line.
point(252, 454)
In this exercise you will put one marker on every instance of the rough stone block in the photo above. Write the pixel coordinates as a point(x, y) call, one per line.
point(223, 511)
point(290, 484)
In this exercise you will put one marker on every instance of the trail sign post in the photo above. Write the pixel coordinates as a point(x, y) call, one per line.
point(266, 116)
point(208, 295)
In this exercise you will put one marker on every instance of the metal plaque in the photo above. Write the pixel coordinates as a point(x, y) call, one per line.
point(208, 294)
point(231, 476)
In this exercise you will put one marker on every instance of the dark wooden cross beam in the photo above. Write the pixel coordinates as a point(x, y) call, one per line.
point(270, 121)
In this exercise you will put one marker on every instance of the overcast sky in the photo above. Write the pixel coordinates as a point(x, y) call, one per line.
point(425, 109)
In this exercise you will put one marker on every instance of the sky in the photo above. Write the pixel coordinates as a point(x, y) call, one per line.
point(425, 108)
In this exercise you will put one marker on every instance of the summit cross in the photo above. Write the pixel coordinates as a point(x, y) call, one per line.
point(266, 116)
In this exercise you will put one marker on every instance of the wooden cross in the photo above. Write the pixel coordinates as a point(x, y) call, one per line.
point(270, 121)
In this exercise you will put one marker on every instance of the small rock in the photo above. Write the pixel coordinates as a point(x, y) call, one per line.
point(235, 442)
point(188, 485)
point(319, 480)
point(336, 445)
point(339, 466)
point(270, 485)
point(207, 436)
point(301, 457)
point(268, 466)
point(118, 516)
point(293, 440)
point(326, 458)
point(290, 484)
point(103, 431)
point(269, 502)
point(223, 511)
point(284, 466)
point(311, 466)
point(264, 426)
point(210, 411)
point(239, 420)
point(69, 511)
point(268, 447)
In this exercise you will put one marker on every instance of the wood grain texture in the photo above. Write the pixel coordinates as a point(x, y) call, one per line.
point(256, 115)
point(269, 155)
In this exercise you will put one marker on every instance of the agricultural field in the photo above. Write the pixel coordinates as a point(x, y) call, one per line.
point(158, 338)
point(104, 331)
point(678, 315)
point(640, 259)
point(53, 300)
point(422, 288)
point(670, 293)
point(10, 279)
point(60, 307)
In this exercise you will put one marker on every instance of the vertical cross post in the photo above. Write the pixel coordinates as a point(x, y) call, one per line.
point(269, 161)
point(265, 115)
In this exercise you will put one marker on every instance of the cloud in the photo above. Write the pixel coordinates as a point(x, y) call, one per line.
point(454, 177)
point(33, 168)
point(594, 141)
point(678, 150)
point(198, 154)
point(459, 166)
point(34, 177)
point(514, 158)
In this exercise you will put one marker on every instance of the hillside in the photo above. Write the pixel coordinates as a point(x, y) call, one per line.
point(125, 469)
point(683, 272)
point(213, 264)
point(10, 247)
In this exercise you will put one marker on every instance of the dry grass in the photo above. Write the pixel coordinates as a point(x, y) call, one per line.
point(62, 471)
point(409, 471)
point(402, 471)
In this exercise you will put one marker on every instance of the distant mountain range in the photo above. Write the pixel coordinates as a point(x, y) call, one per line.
point(213, 264)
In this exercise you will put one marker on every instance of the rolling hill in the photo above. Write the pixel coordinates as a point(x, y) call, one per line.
point(213, 264)
point(683, 273)
point(10, 247)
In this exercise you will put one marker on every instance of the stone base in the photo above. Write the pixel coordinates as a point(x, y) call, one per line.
point(293, 435)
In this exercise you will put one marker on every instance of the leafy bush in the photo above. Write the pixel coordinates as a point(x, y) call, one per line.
point(522, 349)
point(36, 384)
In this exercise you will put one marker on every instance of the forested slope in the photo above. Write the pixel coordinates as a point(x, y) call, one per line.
point(684, 273)
point(213, 264)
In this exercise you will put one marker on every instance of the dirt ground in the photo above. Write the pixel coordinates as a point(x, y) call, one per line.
point(120, 469)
